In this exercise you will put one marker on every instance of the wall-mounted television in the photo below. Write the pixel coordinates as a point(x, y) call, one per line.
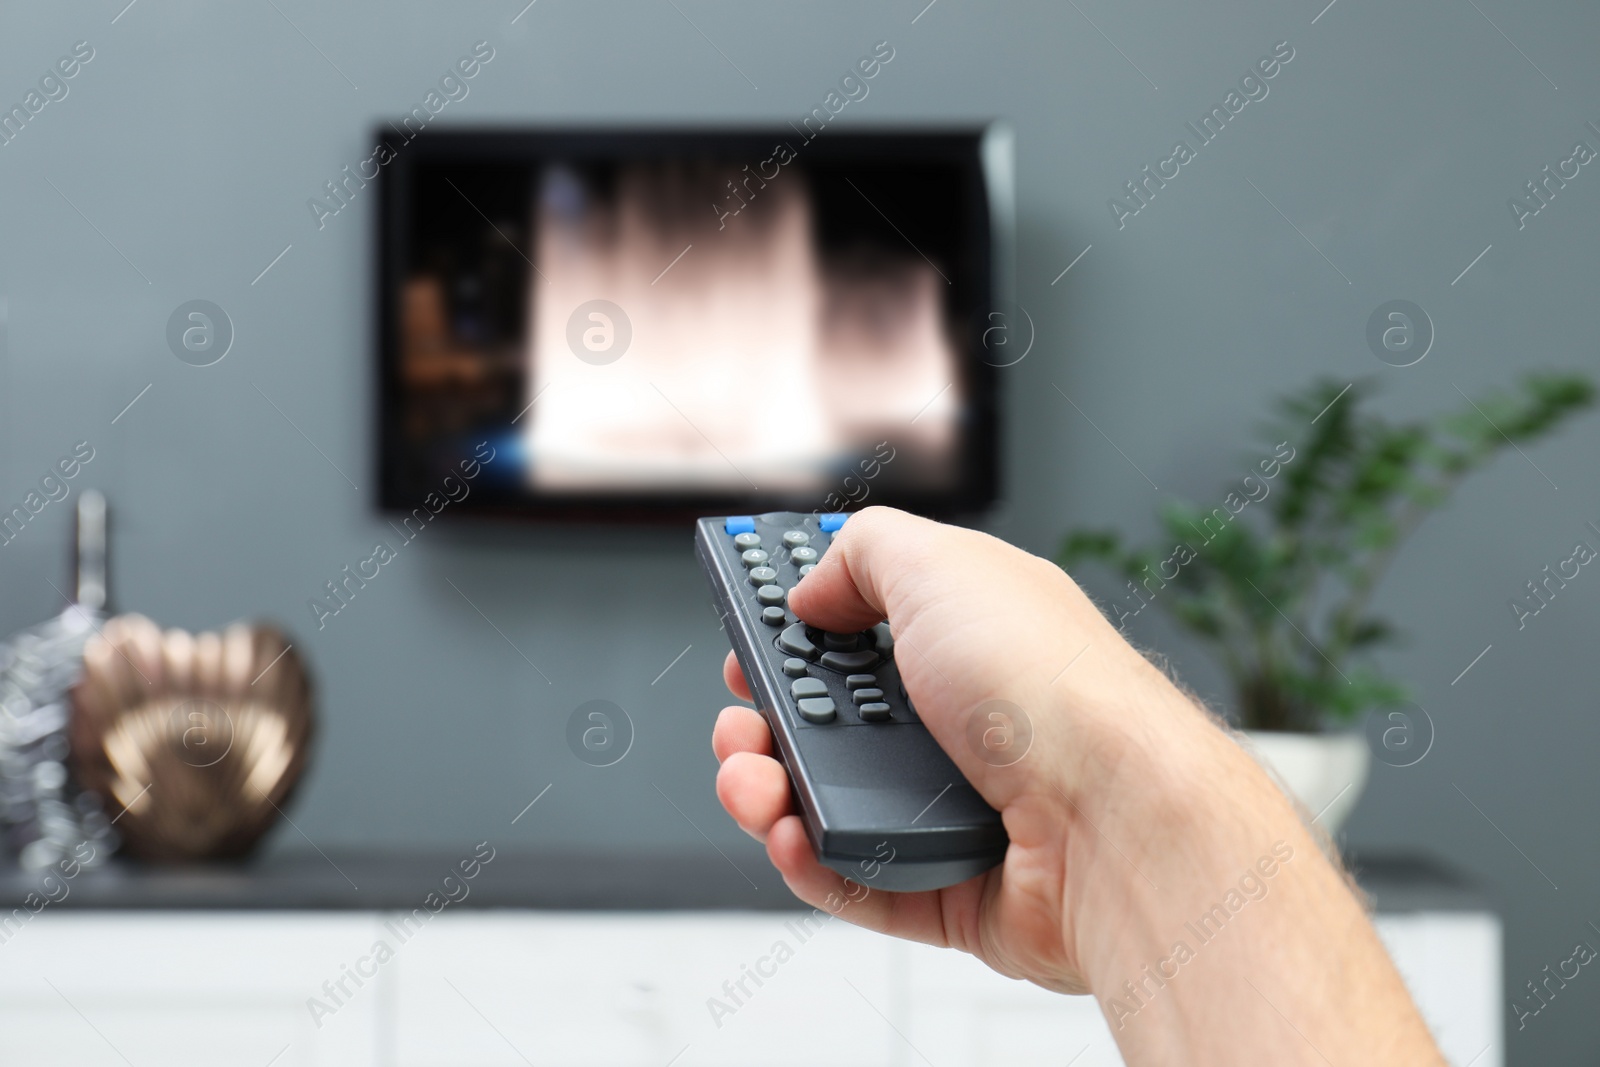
point(657, 323)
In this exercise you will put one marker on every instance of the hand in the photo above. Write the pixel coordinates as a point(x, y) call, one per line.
point(1132, 811)
point(974, 620)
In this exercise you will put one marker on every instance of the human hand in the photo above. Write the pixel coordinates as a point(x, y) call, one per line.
point(1132, 813)
point(978, 620)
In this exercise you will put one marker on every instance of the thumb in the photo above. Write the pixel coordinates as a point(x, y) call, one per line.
point(854, 584)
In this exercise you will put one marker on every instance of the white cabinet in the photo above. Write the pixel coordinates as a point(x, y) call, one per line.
point(503, 989)
point(173, 989)
point(589, 989)
point(975, 1017)
point(1451, 962)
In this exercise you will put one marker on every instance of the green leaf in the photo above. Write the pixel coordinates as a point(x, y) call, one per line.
point(1281, 587)
point(1081, 545)
point(1369, 632)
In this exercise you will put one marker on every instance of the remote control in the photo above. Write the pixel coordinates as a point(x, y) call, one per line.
point(882, 803)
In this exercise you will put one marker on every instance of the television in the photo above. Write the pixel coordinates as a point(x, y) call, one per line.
point(653, 324)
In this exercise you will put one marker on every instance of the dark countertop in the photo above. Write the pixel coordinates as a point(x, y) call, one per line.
point(1402, 882)
point(554, 881)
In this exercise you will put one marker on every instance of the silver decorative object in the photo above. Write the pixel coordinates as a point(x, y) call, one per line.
point(43, 815)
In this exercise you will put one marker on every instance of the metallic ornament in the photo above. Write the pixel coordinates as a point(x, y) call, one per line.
point(196, 739)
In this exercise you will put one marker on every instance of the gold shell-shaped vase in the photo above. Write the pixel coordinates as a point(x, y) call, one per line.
point(195, 740)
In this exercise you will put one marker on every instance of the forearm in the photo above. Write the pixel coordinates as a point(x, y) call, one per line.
point(1150, 863)
point(1211, 927)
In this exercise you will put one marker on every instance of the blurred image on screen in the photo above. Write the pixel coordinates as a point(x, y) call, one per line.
point(753, 356)
point(661, 324)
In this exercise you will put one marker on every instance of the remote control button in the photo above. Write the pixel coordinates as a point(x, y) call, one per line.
point(803, 556)
point(794, 668)
point(842, 642)
point(827, 523)
point(773, 616)
point(763, 576)
point(754, 557)
point(795, 642)
point(818, 709)
point(796, 538)
point(859, 681)
point(770, 594)
point(807, 569)
point(873, 712)
point(747, 540)
point(808, 687)
point(738, 524)
point(867, 696)
point(883, 640)
point(849, 662)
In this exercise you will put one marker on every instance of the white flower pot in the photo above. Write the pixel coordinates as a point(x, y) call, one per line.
point(1325, 772)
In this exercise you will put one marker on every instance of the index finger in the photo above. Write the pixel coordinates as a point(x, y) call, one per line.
point(733, 678)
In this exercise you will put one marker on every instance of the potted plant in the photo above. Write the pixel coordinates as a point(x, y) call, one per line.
point(1278, 577)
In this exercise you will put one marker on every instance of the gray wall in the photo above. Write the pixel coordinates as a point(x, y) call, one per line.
point(1392, 140)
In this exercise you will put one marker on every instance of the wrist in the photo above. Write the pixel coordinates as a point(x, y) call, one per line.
point(1175, 820)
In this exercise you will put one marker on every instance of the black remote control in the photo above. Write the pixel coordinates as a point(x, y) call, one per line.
point(882, 803)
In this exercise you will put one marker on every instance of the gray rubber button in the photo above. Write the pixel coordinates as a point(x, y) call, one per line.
point(818, 709)
point(754, 557)
point(808, 687)
point(794, 668)
point(867, 696)
point(858, 681)
point(796, 538)
point(883, 640)
point(795, 642)
point(849, 662)
point(842, 642)
point(803, 556)
point(807, 569)
point(773, 616)
point(873, 712)
point(770, 594)
point(763, 576)
point(747, 540)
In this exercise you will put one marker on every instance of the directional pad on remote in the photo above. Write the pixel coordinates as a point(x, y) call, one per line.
point(883, 640)
point(795, 642)
point(849, 662)
point(843, 642)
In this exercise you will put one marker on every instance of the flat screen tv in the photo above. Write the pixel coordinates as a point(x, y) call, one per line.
point(653, 324)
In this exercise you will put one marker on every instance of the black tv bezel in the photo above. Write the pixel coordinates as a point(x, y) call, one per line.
point(989, 233)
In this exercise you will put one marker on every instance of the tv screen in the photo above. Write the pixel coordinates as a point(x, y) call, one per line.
point(654, 324)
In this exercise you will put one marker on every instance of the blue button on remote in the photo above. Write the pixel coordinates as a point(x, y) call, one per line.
point(738, 524)
point(829, 523)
